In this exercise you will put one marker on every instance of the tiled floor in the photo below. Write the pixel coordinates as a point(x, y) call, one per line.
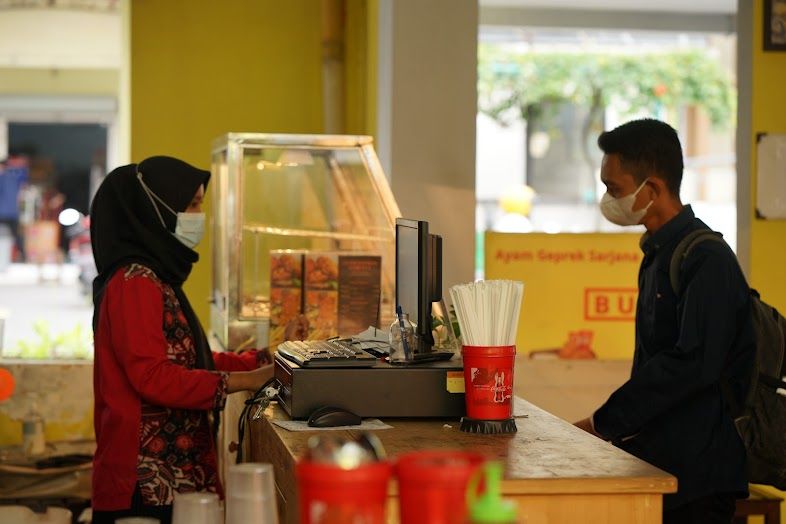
point(50, 293)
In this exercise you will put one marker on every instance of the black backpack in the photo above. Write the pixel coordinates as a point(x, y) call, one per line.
point(761, 421)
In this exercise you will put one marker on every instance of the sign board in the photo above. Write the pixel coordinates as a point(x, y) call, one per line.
point(771, 176)
point(573, 284)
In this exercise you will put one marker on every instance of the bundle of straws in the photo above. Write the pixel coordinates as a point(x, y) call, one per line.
point(488, 311)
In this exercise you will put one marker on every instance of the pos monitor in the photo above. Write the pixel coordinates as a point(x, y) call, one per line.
point(418, 276)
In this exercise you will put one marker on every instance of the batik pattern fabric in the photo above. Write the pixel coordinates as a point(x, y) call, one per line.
point(176, 448)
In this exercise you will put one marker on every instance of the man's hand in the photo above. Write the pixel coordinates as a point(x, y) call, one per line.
point(586, 425)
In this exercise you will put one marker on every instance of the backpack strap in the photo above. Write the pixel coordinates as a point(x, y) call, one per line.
point(681, 253)
point(683, 249)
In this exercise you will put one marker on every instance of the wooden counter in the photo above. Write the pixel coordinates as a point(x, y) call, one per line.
point(555, 472)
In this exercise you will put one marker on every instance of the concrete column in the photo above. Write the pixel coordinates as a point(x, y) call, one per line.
point(119, 149)
point(745, 43)
point(427, 100)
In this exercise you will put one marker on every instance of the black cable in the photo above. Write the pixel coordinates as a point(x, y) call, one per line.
point(257, 398)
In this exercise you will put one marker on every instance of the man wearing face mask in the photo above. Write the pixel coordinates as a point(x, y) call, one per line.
point(156, 382)
point(672, 412)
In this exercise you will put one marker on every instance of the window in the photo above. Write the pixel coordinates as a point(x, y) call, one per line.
point(545, 95)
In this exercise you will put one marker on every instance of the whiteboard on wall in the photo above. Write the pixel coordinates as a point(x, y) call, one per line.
point(771, 176)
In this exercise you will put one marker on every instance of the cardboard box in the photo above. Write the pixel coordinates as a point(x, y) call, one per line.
point(42, 242)
point(359, 289)
point(286, 292)
point(342, 293)
point(320, 285)
point(339, 293)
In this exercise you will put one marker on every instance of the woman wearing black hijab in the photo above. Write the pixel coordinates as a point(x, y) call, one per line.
point(155, 378)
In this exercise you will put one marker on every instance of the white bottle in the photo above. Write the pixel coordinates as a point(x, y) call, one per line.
point(33, 439)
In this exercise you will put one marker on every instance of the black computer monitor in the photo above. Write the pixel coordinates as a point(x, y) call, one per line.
point(418, 276)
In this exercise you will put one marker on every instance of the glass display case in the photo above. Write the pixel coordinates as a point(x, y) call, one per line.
point(275, 194)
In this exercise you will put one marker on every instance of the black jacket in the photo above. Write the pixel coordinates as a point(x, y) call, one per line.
point(671, 412)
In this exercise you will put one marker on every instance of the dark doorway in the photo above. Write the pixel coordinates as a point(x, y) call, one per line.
point(64, 155)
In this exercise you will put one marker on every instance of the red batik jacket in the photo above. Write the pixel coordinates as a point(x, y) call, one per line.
point(151, 405)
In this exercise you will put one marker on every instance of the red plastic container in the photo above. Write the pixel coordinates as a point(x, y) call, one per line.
point(488, 381)
point(331, 495)
point(432, 486)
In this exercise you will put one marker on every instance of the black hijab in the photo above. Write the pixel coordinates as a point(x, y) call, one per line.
point(126, 228)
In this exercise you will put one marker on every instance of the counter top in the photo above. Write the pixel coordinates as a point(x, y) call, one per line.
point(20, 479)
point(547, 455)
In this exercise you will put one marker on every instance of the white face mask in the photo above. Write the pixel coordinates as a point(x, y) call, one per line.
point(189, 228)
point(620, 210)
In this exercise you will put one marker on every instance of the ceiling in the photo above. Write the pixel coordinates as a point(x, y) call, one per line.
point(692, 6)
point(85, 5)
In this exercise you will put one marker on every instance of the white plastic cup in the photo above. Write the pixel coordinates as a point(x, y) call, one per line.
point(251, 494)
point(18, 515)
point(56, 515)
point(196, 508)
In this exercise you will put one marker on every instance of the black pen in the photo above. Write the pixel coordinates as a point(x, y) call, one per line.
point(404, 345)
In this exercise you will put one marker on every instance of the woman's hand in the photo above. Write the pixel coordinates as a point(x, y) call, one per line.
point(249, 380)
point(297, 328)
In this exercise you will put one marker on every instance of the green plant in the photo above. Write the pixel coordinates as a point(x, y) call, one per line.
point(454, 322)
point(524, 85)
point(76, 343)
point(535, 86)
point(439, 331)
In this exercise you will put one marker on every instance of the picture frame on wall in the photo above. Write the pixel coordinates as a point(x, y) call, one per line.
point(770, 176)
point(775, 25)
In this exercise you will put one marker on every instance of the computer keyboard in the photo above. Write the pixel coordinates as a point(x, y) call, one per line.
point(325, 354)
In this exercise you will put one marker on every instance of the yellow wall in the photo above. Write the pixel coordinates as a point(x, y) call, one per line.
point(203, 68)
point(30, 81)
point(768, 114)
point(200, 69)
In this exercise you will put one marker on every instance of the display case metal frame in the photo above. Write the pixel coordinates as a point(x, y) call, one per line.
point(233, 326)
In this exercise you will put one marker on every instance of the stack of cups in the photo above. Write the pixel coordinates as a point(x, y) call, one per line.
point(343, 481)
point(196, 508)
point(24, 515)
point(251, 494)
point(488, 383)
point(432, 485)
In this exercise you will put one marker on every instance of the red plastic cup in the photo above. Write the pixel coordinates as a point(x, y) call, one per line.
point(432, 486)
point(488, 381)
point(332, 495)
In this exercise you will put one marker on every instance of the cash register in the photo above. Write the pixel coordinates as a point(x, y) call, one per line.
point(342, 373)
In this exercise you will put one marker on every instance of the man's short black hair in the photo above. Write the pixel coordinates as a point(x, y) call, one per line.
point(647, 147)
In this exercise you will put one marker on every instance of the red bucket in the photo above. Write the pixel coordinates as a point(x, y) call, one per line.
point(332, 495)
point(488, 381)
point(432, 486)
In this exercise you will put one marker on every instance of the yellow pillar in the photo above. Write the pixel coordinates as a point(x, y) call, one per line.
point(768, 115)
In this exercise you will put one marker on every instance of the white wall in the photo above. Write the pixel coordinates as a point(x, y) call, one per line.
point(500, 163)
point(59, 38)
point(427, 103)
